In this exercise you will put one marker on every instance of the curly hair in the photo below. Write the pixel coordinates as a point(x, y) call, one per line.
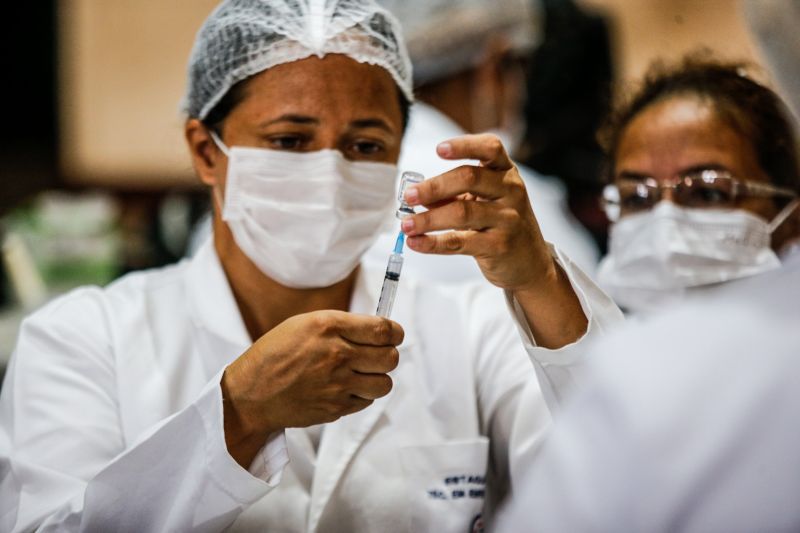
point(749, 107)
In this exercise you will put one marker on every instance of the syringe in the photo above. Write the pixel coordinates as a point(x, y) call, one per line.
point(391, 279)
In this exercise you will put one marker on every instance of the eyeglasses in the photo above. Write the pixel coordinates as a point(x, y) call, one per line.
point(699, 189)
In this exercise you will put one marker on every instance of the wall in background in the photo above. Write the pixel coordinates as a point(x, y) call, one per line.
point(28, 99)
point(122, 72)
point(647, 29)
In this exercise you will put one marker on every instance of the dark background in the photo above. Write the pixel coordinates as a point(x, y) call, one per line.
point(28, 134)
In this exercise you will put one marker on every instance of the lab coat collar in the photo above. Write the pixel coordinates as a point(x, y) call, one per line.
point(342, 439)
point(213, 309)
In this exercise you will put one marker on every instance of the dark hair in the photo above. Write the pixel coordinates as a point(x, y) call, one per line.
point(746, 105)
point(216, 117)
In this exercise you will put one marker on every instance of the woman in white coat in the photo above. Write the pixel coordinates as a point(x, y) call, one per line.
point(214, 393)
point(705, 182)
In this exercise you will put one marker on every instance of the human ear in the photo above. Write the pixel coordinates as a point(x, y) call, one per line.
point(208, 160)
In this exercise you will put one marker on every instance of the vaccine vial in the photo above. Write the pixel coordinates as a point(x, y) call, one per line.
point(406, 180)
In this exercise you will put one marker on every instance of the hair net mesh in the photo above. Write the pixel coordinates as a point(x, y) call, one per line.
point(445, 37)
point(244, 37)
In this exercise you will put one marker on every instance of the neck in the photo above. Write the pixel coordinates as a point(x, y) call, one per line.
point(263, 302)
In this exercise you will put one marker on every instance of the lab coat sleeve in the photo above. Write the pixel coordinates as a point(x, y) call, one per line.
point(560, 370)
point(679, 427)
point(65, 463)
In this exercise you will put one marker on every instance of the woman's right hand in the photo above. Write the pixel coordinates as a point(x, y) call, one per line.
point(310, 369)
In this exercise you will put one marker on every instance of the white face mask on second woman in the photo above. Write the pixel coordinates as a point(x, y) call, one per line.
point(656, 255)
point(305, 219)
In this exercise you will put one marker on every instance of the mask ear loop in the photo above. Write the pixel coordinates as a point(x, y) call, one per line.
point(218, 199)
point(215, 189)
point(221, 145)
point(781, 217)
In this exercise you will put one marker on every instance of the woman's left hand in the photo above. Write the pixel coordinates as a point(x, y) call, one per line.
point(487, 211)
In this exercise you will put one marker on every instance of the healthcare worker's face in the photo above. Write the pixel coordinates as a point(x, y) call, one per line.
point(308, 105)
point(673, 137)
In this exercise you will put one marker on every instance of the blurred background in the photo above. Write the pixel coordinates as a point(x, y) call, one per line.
point(95, 177)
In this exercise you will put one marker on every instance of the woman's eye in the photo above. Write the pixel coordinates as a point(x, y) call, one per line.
point(707, 196)
point(367, 147)
point(636, 197)
point(286, 142)
point(634, 202)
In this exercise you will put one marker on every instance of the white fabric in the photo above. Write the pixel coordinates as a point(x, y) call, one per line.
point(305, 219)
point(427, 128)
point(244, 37)
point(111, 416)
point(688, 423)
point(566, 365)
point(445, 37)
point(656, 255)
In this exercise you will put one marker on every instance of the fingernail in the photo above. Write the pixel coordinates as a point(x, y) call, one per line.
point(445, 149)
point(407, 225)
point(411, 196)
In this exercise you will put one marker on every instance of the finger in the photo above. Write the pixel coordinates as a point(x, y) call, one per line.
point(485, 147)
point(334, 410)
point(457, 242)
point(478, 181)
point(370, 330)
point(466, 196)
point(461, 214)
point(374, 359)
point(442, 203)
point(354, 405)
point(370, 386)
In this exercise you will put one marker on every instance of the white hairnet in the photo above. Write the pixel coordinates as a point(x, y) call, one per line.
point(445, 37)
point(244, 37)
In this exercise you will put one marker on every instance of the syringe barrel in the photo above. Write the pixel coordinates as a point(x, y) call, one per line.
point(386, 301)
point(390, 282)
point(395, 266)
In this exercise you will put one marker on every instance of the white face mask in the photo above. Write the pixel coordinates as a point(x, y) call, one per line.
point(305, 219)
point(656, 255)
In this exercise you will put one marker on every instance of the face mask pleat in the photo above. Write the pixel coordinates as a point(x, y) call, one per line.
point(672, 248)
point(305, 219)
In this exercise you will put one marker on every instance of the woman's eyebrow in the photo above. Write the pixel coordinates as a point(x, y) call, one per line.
point(292, 118)
point(372, 123)
point(704, 166)
point(631, 175)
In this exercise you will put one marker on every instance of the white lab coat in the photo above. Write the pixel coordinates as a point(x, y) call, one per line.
point(428, 127)
point(688, 422)
point(111, 414)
